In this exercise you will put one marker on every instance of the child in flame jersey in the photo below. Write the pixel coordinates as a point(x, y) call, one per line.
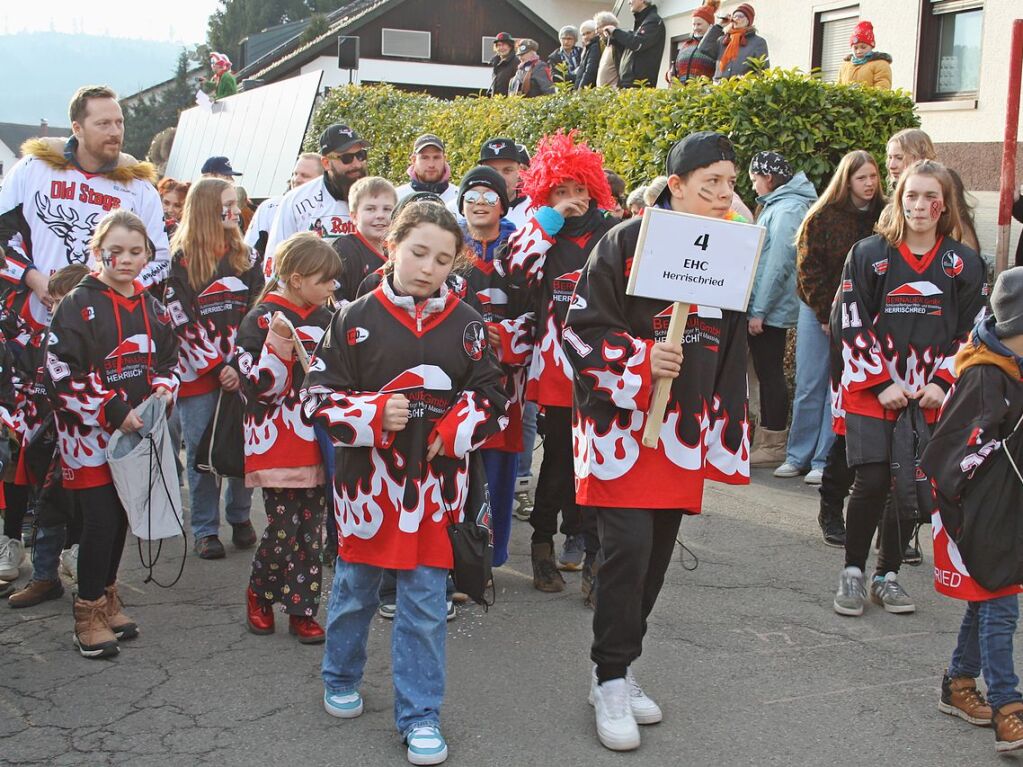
point(616, 344)
point(566, 183)
point(110, 347)
point(908, 299)
point(281, 452)
point(404, 379)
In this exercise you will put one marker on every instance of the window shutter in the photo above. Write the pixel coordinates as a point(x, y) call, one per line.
point(406, 43)
point(835, 44)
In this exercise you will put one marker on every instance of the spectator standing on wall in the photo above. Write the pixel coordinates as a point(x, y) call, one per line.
point(864, 65)
point(607, 69)
point(503, 64)
point(564, 62)
point(733, 41)
point(586, 75)
point(533, 77)
point(691, 61)
point(639, 51)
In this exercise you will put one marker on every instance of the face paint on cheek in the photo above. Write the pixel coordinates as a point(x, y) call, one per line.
point(936, 211)
point(107, 258)
point(705, 194)
point(227, 214)
point(907, 213)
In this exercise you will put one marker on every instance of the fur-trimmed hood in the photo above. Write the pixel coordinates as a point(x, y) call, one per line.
point(872, 56)
point(52, 152)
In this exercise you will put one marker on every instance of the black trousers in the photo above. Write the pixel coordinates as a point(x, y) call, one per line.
point(555, 487)
point(104, 528)
point(768, 352)
point(837, 477)
point(637, 545)
point(869, 506)
point(14, 512)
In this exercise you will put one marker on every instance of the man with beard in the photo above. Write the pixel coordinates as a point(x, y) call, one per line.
point(322, 204)
point(429, 171)
point(54, 196)
point(307, 167)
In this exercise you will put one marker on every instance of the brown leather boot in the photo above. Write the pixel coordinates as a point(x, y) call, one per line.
point(36, 592)
point(93, 636)
point(960, 697)
point(122, 626)
point(545, 570)
point(1008, 722)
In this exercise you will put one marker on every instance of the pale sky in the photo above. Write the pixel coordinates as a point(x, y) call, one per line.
point(175, 21)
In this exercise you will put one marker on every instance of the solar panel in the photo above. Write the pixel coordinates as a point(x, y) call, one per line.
point(259, 131)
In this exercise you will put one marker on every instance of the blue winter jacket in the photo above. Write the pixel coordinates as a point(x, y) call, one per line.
point(774, 288)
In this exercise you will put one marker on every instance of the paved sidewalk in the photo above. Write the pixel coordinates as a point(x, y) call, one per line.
point(744, 654)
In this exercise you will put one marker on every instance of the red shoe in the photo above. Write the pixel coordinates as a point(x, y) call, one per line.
point(306, 629)
point(259, 615)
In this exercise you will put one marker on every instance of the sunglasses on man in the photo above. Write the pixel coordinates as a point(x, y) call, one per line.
point(348, 157)
point(489, 198)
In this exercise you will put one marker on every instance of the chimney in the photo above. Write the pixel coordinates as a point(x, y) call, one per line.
point(44, 128)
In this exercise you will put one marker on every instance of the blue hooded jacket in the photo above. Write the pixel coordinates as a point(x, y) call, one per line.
point(774, 297)
point(506, 231)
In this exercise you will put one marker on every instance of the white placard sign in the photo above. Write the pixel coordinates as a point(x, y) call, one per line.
point(695, 259)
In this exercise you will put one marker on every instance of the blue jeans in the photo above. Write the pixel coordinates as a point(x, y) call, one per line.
point(501, 468)
point(529, 412)
point(811, 435)
point(985, 643)
point(46, 552)
point(203, 490)
point(417, 638)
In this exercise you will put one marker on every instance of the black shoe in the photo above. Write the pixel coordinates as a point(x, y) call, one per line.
point(243, 536)
point(210, 547)
point(912, 555)
point(832, 526)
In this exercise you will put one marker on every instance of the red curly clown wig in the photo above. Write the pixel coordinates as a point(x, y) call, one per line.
point(559, 158)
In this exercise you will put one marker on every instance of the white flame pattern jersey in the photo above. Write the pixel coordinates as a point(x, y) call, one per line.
point(981, 410)
point(904, 317)
point(207, 320)
point(277, 434)
point(608, 338)
point(548, 269)
point(105, 355)
point(391, 504)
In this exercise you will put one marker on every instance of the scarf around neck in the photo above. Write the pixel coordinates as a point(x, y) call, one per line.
point(736, 39)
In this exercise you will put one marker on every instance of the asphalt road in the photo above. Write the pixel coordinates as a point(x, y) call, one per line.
point(744, 654)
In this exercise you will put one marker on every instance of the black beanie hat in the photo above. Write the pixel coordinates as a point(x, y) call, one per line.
point(483, 175)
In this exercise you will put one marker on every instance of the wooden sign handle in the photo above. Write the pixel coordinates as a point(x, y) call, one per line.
point(655, 415)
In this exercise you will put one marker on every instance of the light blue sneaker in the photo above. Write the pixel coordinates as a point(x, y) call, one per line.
point(426, 745)
point(343, 705)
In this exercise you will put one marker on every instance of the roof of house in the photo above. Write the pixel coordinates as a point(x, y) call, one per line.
point(294, 53)
point(16, 134)
point(258, 44)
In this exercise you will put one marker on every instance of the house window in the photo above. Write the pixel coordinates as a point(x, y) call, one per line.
point(950, 41)
point(405, 43)
point(832, 30)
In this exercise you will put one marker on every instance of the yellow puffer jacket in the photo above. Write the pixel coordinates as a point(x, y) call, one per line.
point(876, 73)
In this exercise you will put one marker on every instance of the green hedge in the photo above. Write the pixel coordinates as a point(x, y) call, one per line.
point(811, 122)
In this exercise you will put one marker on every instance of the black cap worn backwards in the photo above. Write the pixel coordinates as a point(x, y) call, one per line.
point(698, 150)
point(499, 149)
point(483, 176)
point(339, 138)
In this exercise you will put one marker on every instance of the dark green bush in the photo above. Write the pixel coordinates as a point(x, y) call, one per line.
point(811, 122)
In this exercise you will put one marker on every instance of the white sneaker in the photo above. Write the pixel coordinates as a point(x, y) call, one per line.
point(69, 564)
point(644, 710)
point(814, 477)
point(11, 553)
point(788, 470)
point(612, 704)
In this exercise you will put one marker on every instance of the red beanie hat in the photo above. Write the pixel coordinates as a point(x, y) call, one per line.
point(706, 11)
point(863, 33)
point(746, 10)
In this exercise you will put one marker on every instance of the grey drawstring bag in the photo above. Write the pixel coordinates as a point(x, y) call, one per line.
point(146, 478)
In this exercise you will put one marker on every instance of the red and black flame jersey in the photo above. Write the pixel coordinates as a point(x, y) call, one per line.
point(277, 435)
point(105, 354)
point(514, 323)
point(608, 339)
point(206, 320)
point(392, 505)
point(904, 317)
point(548, 268)
point(32, 402)
point(358, 260)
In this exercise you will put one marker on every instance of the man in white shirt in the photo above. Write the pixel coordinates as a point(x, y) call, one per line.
point(429, 170)
point(307, 167)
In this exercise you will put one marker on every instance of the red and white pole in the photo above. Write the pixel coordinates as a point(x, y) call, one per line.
point(1008, 181)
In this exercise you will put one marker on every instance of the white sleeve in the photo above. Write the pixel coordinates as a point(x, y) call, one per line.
point(252, 233)
point(151, 212)
point(12, 192)
point(282, 228)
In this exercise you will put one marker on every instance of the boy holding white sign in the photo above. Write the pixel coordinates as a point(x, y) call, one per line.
point(616, 344)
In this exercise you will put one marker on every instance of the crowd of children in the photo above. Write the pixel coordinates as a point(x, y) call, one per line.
point(373, 364)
